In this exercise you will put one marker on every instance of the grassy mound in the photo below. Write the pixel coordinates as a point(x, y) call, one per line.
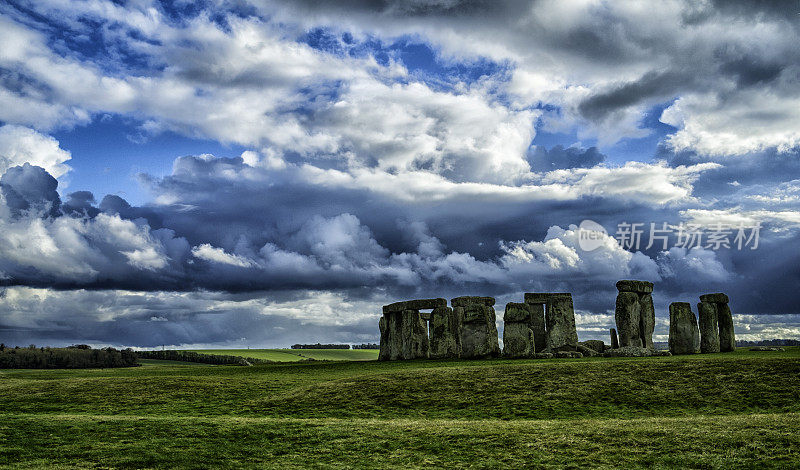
point(723, 410)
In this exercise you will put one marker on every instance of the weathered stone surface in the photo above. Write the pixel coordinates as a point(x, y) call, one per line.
point(727, 338)
point(629, 351)
point(419, 304)
point(425, 316)
point(661, 352)
point(517, 334)
point(415, 335)
point(478, 331)
point(544, 297)
point(567, 354)
point(443, 329)
point(384, 354)
point(404, 335)
point(594, 344)
point(709, 329)
point(684, 335)
point(647, 320)
point(614, 339)
point(627, 314)
point(718, 298)
point(543, 355)
point(516, 312)
point(560, 323)
point(538, 327)
point(586, 351)
point(469, 300)
point(628, 285)
point(517, 340)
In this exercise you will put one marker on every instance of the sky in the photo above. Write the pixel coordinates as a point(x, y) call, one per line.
point(262, 173)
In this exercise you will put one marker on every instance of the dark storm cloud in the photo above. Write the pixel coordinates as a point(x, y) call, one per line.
point(658, 86)
point(30, 188)
point(559, 158)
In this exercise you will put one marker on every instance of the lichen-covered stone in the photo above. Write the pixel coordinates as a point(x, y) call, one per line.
point(594, 344)
point(415, 335)
point(586, 351)
point(684, 335)
point(517, 340)
point(709, 327)
point(629, 351)
point(469, 300)
point(544, 297)
point(627, 314)
point(418, 304)
point(647, 320)
point(517, 312)
point(567, 355)
point(517, 334)
point(543, 355)
point(614, 338)
point(538, 327)
point(444, 334)
point(727, 338)
point(628, 285)
point(715, 298)
point(478, 330)
point(560, 322)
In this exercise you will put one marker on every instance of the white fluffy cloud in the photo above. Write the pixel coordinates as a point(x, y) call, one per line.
point(20, 145)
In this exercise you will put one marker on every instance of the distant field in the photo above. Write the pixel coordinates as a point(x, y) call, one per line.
point(737, 410)
point(292, 355)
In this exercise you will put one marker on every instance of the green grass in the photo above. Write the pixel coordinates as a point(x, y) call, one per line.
point(739, 410)
point(293, 355)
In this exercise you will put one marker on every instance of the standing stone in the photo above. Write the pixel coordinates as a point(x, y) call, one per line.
point(560, 319)
point(478, 329)
point(538, 327)
point(684, 335)
point(647, 320)
point(614, 339)
point(404, 331)
point(727, 339)
point(518, 337)
point(635, 314)
point(594, 344)
point(709, 329)
point(443, 333)
point(626, 315)
point(415, 335)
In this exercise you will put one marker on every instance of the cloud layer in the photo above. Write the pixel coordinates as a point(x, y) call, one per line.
point(389, 150)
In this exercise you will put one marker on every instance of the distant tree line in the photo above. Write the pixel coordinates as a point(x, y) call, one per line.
point(768, 342)
point(366, 346)
point(73, 357)
point(320, 346)
point(191, 356)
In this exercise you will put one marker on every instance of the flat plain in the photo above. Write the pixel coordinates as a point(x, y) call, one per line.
point(735, 410)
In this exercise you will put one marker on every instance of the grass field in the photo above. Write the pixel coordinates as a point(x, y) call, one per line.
point(737, 410)
point(293, 355)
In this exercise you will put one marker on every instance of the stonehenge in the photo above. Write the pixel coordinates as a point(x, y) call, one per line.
point(478, 329)
point(684, 335)
point(543, 327)
point(614, 339)
point(559, 320)
point(634, 314)
point(716, 324)
point(518, 336)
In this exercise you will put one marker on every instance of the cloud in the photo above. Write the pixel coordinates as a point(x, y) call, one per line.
point(20, 145)
point(560, 158)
